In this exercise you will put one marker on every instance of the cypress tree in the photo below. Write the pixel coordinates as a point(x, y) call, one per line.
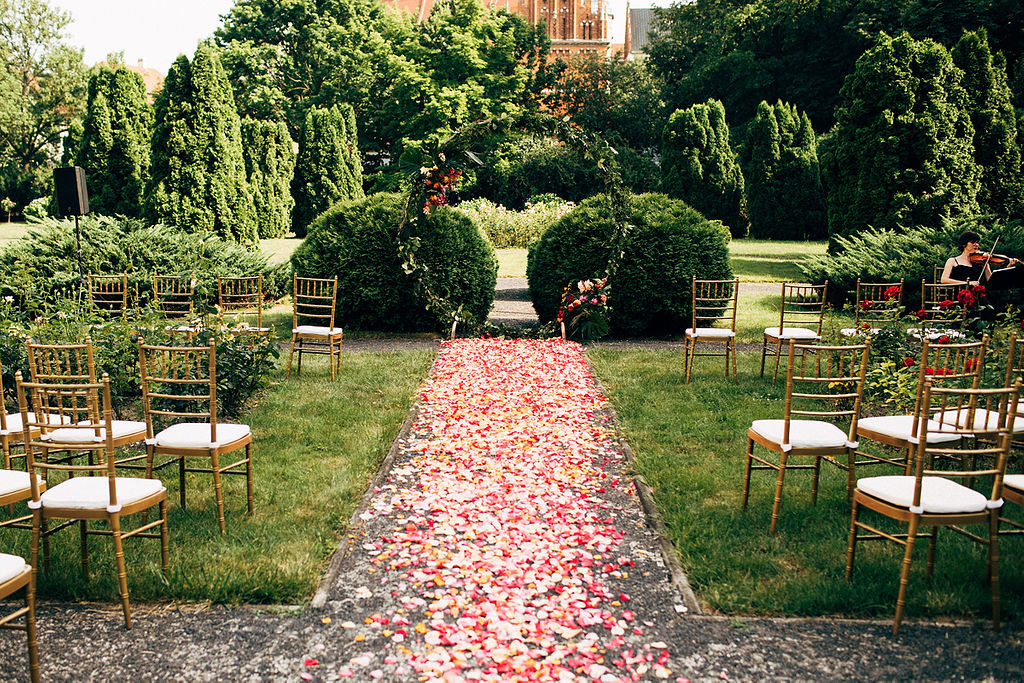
point(700, 167)
point(996, 146)
point(115, 139)
point(901, 151)
point(269, 164)
point(198, 174)
point(327, 169)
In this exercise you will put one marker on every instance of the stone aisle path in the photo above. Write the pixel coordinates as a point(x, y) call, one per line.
point(503, 540)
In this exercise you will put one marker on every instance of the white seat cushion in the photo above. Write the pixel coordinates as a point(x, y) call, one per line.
point(1014, 481)
point(791, 333)
point(15, 480)
point(984, 420)
point(933, 333)
point(802, 433)
point(197, 434)
point(856, 331)
point(92, 493)
point(719, 332)
point(318, 330)
point(11, 566)
point(938, 495)
point(902, 427)
point(15, 425)
point(121, 428)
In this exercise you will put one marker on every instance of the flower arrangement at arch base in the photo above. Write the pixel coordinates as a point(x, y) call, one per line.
point(584, 312)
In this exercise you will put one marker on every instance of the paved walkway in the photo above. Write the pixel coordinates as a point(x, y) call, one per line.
point(503, 540)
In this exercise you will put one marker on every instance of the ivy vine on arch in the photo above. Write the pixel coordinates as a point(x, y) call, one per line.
point(428, 186)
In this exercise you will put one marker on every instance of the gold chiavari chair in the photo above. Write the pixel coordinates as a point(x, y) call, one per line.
point(108, 294)
point(242, 294)
point(801, 312)
point(713, 320)
point(876, 304)
point(313, 329)
point(16, 575)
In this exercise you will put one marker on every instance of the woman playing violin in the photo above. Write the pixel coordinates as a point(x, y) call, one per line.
point(970, 267)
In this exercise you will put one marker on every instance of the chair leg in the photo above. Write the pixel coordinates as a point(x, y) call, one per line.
point(778, 355)
point(851, 472)
point(165, 559)
point(688, 357)
point(122, 574)
point(746, 474)
point(83, 539)
point(851, 549)
point(291, 353)
point(908, 556)
point(30, 630)
point(218, 494)
point(814, 480)
point(330, 356)
point(732, 345)
point(933, 538)
point(778, 493)
point(37, 524)
point(248, 476)
point(764, 351)
point(993, 562)
point(181, 480)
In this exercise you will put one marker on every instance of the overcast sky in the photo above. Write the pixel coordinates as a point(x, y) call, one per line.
point(157, 31)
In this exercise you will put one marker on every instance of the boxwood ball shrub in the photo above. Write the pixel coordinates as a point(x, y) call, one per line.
point(650, 293)
point(358, 241)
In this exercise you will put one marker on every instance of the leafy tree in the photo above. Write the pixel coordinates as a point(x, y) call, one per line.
point(699, 166)
point(197, 177)
point(327, 169)
point(269, 164)
point(620, 100)
point(42, 89)
point(901, 152)
point(783, 180)
point(996, 148)
point(114, 143)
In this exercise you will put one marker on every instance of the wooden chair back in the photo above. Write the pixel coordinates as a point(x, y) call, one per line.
point(877, 303)
point(313, 301)
point(939, 304)
point(61, 362)
point(173, 295)
point(108, 294)
point(825, 382)
point(241, 294)
point(179, 384)
point(22, 580)
point(1014, 359)
point(803, 306)
point(713, 303)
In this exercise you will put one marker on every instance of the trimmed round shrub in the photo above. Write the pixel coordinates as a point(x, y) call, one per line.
point(358, 241)
point(650, 293)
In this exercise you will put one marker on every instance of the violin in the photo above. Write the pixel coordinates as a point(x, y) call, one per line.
point(980, 257)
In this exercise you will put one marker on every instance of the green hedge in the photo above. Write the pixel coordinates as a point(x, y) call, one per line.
point(357, 241)
point(668, 244)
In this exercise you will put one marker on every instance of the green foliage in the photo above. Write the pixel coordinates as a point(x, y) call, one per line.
point(42, 89)
point(197, 176)
point(269, 165)
point(115, 139)
point(328, 169)
point(785, 199)
point(358, 242)
point(43, 266)
point(901, 152)
point(506, 228)
point(668, 243)
point(699, 166)
point(996, 146)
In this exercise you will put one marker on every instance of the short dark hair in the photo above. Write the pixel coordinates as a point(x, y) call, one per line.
point(969, 236)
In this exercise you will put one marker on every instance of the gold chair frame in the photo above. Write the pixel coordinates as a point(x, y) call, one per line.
point(937, 400)
point(192, 370)
point(80, 403)
point(820, 390)
point(712, 320)
point(879, 311)
point(109, 293)
point(801, 311)
point(24, 580)
point(313, 305)
point(242, 294)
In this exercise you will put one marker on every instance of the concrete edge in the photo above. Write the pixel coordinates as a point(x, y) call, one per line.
point(654, 520)
point(355, 522)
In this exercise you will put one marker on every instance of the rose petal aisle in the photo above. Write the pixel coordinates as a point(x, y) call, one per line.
point(506, 545)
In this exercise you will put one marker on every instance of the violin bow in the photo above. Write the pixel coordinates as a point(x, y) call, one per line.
point(990, 252)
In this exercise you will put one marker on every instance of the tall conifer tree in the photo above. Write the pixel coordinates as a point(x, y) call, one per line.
point(327, 169)
point(115, 139)
point(269, 165)
point(996, 147)
point(198, 173)
point(700, 167)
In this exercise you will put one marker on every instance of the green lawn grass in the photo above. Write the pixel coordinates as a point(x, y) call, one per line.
point(766, 261)
point(690, 442)
point(317, 444)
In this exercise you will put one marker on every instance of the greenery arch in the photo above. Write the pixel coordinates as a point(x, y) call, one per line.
point(427, 187)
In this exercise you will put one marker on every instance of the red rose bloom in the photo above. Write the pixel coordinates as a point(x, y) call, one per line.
point(866, 304)
point(909, 362)
point(946, 304)
point(892, 293)
point(921, 314)
point(942, 340)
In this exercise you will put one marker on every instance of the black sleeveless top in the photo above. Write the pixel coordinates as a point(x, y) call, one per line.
point(967, 273)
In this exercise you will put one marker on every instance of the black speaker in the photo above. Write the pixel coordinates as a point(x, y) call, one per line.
point(72, 193)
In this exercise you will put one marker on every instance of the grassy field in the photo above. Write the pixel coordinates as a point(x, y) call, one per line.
point(690, 443)
point(764, 261)
point(317, 444)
